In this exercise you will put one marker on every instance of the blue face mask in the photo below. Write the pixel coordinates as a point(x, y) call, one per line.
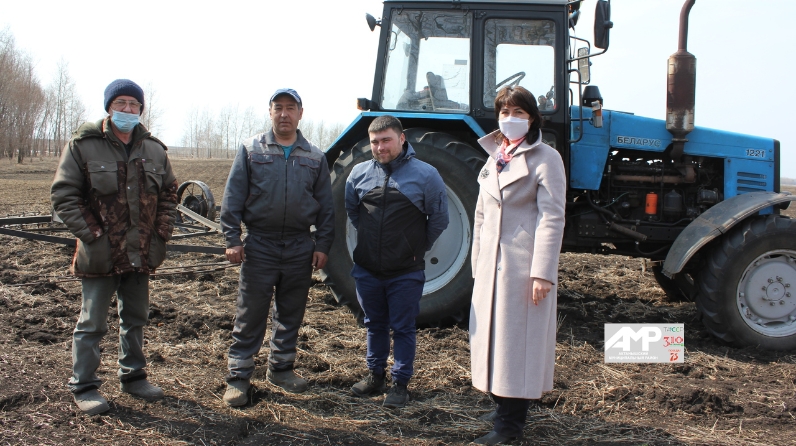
point(125, 122)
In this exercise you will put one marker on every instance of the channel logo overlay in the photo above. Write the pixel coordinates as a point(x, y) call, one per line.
point(644, 343)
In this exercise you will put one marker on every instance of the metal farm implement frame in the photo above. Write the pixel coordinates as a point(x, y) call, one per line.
point(195, 218)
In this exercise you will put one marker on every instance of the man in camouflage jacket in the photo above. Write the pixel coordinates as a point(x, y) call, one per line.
point(115, 191)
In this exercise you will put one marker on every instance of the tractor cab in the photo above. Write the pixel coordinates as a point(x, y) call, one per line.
point(453, 57)
point(428, 61)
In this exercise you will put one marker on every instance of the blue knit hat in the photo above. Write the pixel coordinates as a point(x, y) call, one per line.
point(123, 87)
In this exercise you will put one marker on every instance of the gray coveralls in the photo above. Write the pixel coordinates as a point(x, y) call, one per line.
point(278, 200)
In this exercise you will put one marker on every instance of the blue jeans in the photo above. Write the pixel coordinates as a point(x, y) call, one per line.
point(132, 290)
point(390, 304)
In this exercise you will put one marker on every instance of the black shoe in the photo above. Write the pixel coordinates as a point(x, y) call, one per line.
point(370, 385)
point(397, 397)
point(489, 417)
point(493, 438)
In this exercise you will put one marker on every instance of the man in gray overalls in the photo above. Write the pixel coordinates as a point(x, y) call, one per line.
point(278, 187)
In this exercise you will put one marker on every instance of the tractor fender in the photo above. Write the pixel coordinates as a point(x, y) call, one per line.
point(716, 221)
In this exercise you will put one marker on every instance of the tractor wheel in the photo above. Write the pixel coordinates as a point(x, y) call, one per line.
point(196, 196)
point(448, 288)
point(748, 288)
point(679, 289)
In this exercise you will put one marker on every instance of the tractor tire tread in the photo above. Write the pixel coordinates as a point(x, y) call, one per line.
point(711, 281)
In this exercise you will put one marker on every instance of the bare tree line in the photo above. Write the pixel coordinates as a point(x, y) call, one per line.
point(34, 120)
point(218, 136)
point(63, 114)
point(38, 121)
point(21, 100)
point(153, 113)
point(209, 136)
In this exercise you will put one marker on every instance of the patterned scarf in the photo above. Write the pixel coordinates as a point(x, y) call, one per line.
point(505, 154)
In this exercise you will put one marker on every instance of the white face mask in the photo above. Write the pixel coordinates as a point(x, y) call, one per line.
point(514, 128)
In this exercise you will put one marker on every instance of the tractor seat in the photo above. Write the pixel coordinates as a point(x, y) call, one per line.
point(439, 95)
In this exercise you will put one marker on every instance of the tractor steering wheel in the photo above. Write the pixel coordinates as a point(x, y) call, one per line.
point(515, 78)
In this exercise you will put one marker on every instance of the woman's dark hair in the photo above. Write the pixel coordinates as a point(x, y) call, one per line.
point(522, 98)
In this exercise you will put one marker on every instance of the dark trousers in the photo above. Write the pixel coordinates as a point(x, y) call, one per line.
point(272, 268)
point(390, 304)
point(511, 414)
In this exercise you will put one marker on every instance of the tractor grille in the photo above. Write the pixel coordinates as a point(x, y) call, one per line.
point(751, 182)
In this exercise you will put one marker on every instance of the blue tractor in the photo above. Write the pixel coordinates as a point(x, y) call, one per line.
point(703, 205)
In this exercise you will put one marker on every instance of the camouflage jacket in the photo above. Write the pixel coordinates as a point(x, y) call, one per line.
point(121, 210)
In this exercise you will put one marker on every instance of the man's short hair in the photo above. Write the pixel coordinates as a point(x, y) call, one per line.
point(385, 122)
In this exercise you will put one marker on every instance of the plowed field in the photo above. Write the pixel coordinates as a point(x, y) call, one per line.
point(720, 395)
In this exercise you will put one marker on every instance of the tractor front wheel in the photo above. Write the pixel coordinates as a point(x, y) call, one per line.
point(748, 288)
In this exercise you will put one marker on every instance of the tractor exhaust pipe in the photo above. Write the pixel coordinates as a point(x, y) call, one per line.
point(681, 89)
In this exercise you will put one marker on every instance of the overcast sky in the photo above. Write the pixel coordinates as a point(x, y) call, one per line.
point(212, 54)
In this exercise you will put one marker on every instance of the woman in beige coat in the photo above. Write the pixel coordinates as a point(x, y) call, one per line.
point(519, 225)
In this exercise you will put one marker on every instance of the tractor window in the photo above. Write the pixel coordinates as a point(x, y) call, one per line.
point(520, 52)
point(428, 62)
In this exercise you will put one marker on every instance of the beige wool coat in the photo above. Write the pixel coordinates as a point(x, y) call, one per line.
point(519, 226)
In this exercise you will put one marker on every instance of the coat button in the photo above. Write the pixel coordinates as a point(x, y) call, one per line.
point(499, 268)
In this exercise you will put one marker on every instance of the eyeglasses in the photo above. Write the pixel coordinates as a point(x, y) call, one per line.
point(120, 104)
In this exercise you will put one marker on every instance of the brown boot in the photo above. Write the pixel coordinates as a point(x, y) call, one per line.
point(397, 397)
point(237, 393)
point(371, 384)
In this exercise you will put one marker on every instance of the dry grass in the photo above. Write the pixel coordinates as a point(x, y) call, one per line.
point(721, 395)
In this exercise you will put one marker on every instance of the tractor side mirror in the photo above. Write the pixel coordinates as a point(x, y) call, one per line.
point(372, 22)
point(602, 24)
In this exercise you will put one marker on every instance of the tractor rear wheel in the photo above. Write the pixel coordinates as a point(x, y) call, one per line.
point(448, 288)
point(748, 288)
